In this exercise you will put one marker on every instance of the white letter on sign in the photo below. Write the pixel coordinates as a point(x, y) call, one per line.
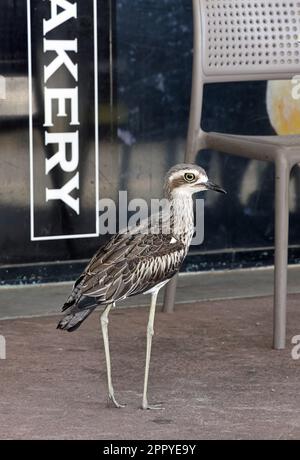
point(69, 11)
point(64, 193)
point(62, 139)
point(62, 58)
point(61, 94)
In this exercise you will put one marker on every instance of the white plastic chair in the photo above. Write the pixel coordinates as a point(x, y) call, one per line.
point(247, 40)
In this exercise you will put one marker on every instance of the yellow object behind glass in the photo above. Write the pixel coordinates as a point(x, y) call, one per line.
point(283, 110)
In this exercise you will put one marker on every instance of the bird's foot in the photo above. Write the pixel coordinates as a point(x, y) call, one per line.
point(146, 406)
point(112, 398)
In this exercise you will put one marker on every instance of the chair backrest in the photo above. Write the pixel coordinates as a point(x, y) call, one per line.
point(247, 39)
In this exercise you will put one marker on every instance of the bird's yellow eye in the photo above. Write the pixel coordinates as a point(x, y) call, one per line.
point(189, 177)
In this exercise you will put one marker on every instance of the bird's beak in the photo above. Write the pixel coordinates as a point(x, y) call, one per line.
point(216, 188)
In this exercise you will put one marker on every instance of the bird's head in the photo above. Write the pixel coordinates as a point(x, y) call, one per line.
point(188, 179)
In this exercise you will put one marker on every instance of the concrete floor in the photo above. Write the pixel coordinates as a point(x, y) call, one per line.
point(47, 299)
point(212, 367)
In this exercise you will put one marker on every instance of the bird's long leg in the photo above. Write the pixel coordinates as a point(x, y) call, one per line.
point(150, 332)
point(104, 326)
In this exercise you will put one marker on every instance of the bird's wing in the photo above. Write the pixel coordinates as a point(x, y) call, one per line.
point(129, 264)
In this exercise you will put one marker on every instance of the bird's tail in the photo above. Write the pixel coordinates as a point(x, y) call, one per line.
point(72, 321)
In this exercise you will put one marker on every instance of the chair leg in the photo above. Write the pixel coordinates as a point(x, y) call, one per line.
point(282, 176)
point(169, 298)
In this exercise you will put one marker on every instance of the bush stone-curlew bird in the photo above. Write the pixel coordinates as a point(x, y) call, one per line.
point(139, 260)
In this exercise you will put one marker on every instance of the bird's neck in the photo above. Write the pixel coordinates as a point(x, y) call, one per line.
point(182, 216)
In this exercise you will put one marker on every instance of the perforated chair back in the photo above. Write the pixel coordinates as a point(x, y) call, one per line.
point(247, 39)
point(240, 40)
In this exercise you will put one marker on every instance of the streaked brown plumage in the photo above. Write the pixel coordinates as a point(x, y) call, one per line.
point(126, 266)
point(140, 260)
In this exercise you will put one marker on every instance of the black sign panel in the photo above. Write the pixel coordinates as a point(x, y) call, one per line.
point(63, 118)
